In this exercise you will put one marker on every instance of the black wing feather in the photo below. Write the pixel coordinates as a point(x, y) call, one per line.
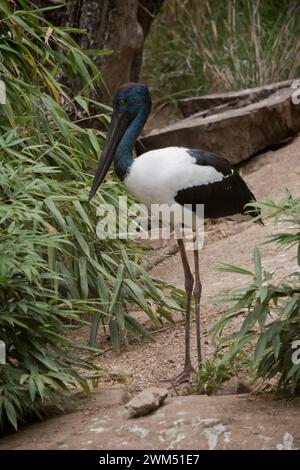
point(221, 198)
point(204, 158)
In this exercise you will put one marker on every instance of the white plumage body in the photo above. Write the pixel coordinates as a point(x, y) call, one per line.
point(156, 176)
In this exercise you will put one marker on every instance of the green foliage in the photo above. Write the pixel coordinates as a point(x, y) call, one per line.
point(53, 268)
point(35, 321)
point(212, 375)
point(216, 46)
point(269, 309)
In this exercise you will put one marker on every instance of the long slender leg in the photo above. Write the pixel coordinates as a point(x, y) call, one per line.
point(189, 282)
point(197, 296)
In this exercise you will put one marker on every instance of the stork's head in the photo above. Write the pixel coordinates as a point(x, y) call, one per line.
point(132, 102)
point(132, 98)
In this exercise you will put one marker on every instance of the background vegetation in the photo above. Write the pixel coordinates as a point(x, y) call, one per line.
point(214, 46)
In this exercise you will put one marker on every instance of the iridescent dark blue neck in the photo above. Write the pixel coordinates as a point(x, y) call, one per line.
point(124, 152)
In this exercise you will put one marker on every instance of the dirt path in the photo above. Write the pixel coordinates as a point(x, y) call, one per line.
point(197, 421)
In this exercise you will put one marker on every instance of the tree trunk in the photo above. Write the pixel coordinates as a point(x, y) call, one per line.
point(146, 13)
point(120, 26)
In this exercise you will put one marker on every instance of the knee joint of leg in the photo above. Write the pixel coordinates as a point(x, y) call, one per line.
point(189, 283)
point(197, 290)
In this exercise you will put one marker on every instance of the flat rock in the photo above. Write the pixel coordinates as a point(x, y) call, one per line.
point(192, 422)
point(236, 134)
point(189, 106)
point(145, 402)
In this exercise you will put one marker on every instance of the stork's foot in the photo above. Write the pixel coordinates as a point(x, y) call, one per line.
point(187, 375)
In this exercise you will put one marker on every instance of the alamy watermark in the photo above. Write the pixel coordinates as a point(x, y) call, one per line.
point(296, 93)
point(157, 221)
point(296, 353)
point(2, 352)
point(2, 92)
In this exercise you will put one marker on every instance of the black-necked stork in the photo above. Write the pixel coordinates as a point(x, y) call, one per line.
point(172, 175)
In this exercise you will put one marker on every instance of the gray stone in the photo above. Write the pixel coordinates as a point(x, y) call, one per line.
point(145, 402)
point(193, 422)
point(235, 134)
point(189, 106)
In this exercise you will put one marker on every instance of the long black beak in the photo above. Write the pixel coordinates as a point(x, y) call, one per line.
point(118, 125)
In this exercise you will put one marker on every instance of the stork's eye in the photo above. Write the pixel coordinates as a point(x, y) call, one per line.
point(121, 102)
